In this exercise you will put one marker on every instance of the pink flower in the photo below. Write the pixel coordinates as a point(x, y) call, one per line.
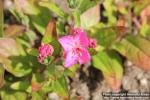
point(44, 51)
point(75, 47)
point(92, 43)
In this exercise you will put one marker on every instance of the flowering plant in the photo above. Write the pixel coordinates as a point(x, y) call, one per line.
point(43, 54)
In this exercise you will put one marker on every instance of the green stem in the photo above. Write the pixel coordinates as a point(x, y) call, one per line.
point(77, 20)
point(1, 18)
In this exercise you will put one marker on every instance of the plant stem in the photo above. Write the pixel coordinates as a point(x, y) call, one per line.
point(1, 18)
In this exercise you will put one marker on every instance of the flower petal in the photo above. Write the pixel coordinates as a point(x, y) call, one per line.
point(82, 38)
point(70, 59)
point(67, 42)
point(84, 57)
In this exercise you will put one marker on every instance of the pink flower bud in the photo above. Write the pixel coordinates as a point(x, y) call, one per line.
point(45, 51)
point(92, 43)
point(40, 58)
point(77, 31)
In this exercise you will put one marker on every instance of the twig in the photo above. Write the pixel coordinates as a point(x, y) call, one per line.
point(136, 22)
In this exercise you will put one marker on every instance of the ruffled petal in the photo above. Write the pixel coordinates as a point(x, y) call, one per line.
point(67, 42)
point(84, 56)
point(70, 59)
point(82, 38)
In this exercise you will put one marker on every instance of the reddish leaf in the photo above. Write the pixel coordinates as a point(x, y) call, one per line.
point(113, 82)
point(14, 30)
point(145, 15)
point(9, 47)
point(136, 49)
point(2, 70)
point(50, 33)
point(36, 86)
point(143, 61)
point(36, 82)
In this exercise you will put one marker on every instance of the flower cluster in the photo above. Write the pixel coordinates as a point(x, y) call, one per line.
point(44, 51)
point(75, 48)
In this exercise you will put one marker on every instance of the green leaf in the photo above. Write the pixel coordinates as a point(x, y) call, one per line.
point(90, 17)
point(56, 46)
point(51, 74)
point(21, 85)
point(136, 49)
point(24, 43)
point(60, 86)
point(37, 95)
point(76, 16)
point(109, 63)
point(53, 7)
point(20, 16)
point(31, 34)
point(145, 29)
point(69, 73)
point(110, 8)
point(50, 71)
point(2, 70)
point(86, 4)
point(60, 27)
point(71, 70)
point(39, 16)
point(72, 3)
point(32, 51)
point(92, 51)
point(18, 66)
point(47, 86)
point(50, 33)
point(41, 20)
point(9, 94)
point(139, 6)
point(105, 35)
point(48, 60)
